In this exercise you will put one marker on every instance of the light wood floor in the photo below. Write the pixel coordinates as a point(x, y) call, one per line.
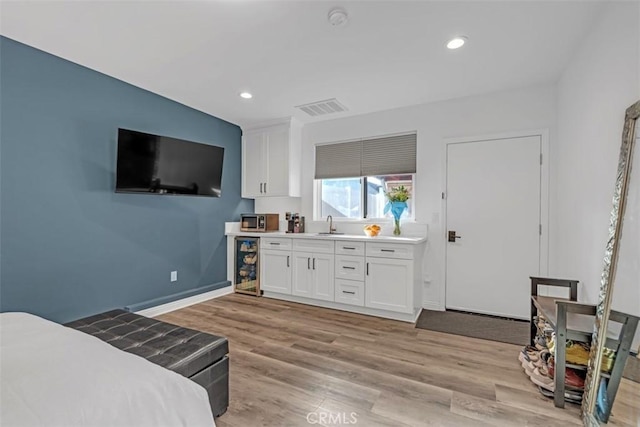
point(289, 360)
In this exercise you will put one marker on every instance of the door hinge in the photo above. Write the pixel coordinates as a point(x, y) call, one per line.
point(540, 158)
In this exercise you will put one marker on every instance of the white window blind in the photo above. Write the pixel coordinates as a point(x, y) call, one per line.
point(367, 157)
point(338, 160)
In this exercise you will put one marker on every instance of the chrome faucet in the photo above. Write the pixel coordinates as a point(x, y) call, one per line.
point(332, 229)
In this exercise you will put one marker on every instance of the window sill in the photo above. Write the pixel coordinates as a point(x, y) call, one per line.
point(366, 221)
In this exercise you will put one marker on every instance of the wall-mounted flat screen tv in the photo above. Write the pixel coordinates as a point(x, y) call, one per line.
point(163, 165)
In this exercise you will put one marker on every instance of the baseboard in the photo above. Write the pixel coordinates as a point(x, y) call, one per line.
point(489, 313)
point(404, 317)
point(432, 305)
point(184, 302)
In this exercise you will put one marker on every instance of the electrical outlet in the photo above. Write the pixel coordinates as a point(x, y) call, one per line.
point(174, 276)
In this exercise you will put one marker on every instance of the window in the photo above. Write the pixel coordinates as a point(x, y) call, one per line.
point(362, 197)
point(341, 198)
point(352, 177)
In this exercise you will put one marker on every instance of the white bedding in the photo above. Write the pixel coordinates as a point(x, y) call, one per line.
point(51, 375)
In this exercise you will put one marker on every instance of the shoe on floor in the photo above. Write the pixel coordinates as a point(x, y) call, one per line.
point(541, 380)
point(571, 377)
point(569, 396)
point(577, 353)
point(529, 353)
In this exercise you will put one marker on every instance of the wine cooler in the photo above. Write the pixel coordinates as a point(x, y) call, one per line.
point(247, 268)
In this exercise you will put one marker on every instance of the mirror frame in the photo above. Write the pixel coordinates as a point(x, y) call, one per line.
point(607, 280)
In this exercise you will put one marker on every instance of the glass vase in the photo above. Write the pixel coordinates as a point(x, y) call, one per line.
point(396, 228)
point(397, 209)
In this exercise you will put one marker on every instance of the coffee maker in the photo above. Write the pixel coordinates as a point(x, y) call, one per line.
point(295, 223)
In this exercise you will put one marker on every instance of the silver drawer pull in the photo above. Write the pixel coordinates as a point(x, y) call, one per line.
point(349, 292)
point(348, 247)
point(274, 243)
point(387, 250)
point(348, 268)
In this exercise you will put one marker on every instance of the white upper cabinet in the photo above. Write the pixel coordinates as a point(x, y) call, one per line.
point(271, 160)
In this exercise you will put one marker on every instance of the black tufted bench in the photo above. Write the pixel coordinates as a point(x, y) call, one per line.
point(196, 355)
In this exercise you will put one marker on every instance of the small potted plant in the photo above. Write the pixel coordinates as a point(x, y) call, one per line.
point(397, 197)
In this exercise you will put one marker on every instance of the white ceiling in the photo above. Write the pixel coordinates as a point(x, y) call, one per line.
point(390, 54)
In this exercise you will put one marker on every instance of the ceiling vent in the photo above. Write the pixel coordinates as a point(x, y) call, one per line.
point(322, 108)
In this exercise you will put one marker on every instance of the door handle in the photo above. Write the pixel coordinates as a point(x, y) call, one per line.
point(260, 188)
point(349, 292)
point(265, 187)
point(348, 268)
point(308, 263)
point(452, 236)
point(314, 263)
point(367, 269)
point(287, 261)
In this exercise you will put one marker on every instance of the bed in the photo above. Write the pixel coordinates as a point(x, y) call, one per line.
point(51, 375)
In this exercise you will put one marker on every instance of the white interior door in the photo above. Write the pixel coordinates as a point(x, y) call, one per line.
point(493, 205)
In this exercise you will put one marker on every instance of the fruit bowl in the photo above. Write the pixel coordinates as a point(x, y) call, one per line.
point(372, 230)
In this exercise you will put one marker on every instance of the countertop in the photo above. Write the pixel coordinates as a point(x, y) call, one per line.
point(414, 240)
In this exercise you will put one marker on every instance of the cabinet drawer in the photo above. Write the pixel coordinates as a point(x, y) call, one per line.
point(316, 246)
point(275, 243)
point(389, 250)
point(349, 267)
point(349, 292)
point(349, 248)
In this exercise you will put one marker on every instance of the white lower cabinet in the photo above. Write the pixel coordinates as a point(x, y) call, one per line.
point(350, 267)
point(377, 278)
point(302, 274)
point(389, 284)
point(350, 292)
point(275, 271)
point(313, 275)
point(349, 283)
point(275, 265)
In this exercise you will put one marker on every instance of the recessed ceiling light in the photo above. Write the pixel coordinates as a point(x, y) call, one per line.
point(457, 42)
point(246, 95)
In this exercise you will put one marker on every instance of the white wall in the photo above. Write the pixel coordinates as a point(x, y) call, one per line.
point(600, 82)
point(518, 110)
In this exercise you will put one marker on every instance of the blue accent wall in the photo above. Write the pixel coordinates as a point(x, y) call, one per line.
point(69, 245)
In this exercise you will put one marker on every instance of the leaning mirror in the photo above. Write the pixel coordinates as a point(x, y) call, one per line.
point(616, 320)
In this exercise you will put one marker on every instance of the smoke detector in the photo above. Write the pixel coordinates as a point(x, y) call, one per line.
point(338, 17)
point(321, 108)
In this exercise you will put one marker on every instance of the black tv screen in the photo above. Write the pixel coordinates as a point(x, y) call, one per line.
point(163, 165)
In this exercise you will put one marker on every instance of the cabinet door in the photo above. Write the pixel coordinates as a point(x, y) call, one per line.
point(252, 164)
point(389, 284)
point(301, 281)
point(322, 267)
point(275, 271)
point(277, 165)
